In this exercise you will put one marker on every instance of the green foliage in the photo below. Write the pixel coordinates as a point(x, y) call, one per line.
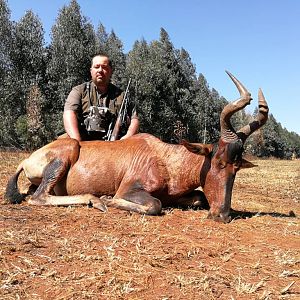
point(101, 39)
point(172, 101)
point(28, 48)
point(21, 130)
point(293, 141)
point(112, 46)
point(141, 91)
point(6, 94)
point(5, 39)
point(27, 57)
point(72, 46)
point(53, 123)
point(35, 123)
point(26, 67)
point(162, 77)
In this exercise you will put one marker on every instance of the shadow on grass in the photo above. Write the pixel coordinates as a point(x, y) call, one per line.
point(202, 204)
point(199, 202)
point(237, 214)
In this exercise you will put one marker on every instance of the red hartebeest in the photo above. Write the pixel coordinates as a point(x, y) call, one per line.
point(142, 173)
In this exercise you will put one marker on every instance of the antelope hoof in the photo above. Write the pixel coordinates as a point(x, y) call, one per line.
point(99, 204)
point(37, 202)
point(222, 217)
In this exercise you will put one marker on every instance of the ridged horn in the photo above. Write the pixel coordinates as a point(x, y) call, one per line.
point(260, 120)
point(227, 131)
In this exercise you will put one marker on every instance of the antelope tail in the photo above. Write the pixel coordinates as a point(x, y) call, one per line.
point(12, 194)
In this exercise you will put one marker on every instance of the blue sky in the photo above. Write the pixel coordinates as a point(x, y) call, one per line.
point(256, 40)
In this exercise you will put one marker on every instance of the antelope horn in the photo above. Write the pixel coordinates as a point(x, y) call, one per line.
point(227, 131)
point(260, 120)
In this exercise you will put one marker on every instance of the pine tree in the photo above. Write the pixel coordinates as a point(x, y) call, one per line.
point(201, 117)
point(27, 54)
point(272, 143)
point(187, 67)
point(114, 48)
point(26, 67)
point(6, 78)
point(29, 47)
point(5, 39)
point(142, 88)
point(101, 39)
point(29, 66)
point(164, 80)
point(217, 103)
point(167, 78)
point(72, 47)
point(186, 93)
point(294, 141)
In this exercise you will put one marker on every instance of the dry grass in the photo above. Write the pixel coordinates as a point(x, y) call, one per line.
point(80, 253)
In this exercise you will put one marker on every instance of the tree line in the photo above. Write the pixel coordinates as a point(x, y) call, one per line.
point(173, 102)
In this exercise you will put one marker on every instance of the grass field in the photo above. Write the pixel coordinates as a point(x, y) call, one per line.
point(81, 253)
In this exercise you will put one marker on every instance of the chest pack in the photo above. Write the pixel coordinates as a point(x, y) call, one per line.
point(99, 116)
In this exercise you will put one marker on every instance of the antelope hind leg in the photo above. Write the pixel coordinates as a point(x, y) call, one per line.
point(52, 174)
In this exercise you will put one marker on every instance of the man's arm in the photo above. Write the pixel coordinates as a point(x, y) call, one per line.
point(71, 124)
point(72, 106)
point(133, 128)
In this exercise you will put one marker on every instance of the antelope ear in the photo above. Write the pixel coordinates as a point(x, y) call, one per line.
point(247, 164)
point(197, 148)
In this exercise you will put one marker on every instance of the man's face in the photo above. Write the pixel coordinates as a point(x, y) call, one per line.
point(101, 70)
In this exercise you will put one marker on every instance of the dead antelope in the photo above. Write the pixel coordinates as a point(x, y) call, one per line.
point(141, 174)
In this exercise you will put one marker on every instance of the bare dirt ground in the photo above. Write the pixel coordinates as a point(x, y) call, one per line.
point(81, 253)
